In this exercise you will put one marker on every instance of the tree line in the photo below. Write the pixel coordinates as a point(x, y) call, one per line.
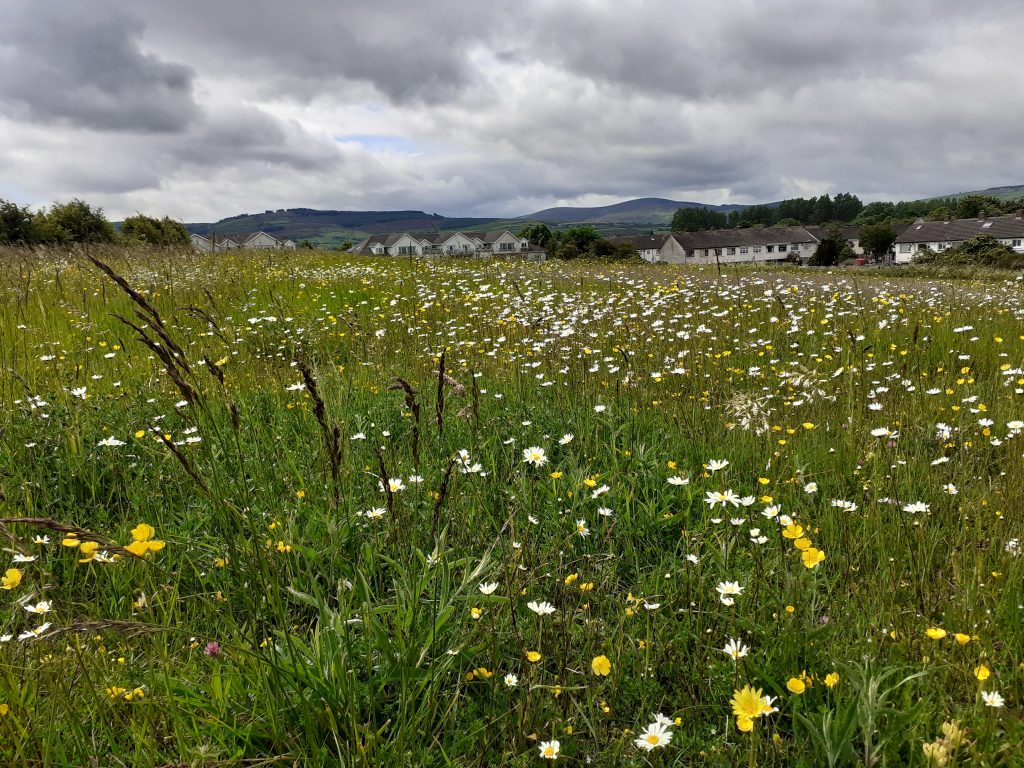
point(576, 242)
point(844, 208)
point(66, 223)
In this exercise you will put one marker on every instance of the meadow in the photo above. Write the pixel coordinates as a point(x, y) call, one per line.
point(306, 509)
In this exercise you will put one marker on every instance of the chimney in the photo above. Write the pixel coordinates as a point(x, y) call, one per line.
point(981, 215)
point(1020, 213)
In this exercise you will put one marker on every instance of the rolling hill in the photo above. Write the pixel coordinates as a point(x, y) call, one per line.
point(334, 227)
point(644, 210)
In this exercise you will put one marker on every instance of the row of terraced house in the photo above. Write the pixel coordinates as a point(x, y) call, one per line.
point(258, 240)
point(499, 242)
point(798, 244)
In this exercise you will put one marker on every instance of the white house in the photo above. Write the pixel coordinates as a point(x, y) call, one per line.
point(255, 240)
point(212, 243)
point(728, 246)
point(940, 235)
point(663, 248)
point(497, 242)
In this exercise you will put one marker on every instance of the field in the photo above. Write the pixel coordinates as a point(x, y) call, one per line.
point(304, 509)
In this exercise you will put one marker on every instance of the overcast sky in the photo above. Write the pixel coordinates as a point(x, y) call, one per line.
point(500, 107)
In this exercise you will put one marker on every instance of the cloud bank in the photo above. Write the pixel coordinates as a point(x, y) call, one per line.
point(204, 110)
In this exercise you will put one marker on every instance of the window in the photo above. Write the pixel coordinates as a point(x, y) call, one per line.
point(794, 247)
point(407, 250)
point(986, 225)
point(718, 251)
point(506, 246)
point(757, 248)
point(1016, 243)
point(744, 250)
point(731, 251)
point(770, 248)
point(905, 248)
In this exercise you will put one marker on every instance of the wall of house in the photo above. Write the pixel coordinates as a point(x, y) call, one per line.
point(400, 246)
point(672, 252)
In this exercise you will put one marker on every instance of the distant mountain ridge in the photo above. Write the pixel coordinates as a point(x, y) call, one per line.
point(643, 210)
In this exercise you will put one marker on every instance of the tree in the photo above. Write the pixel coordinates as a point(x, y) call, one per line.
point(15, 224)
point(877, 239)
point(145, 229)
point(582, 237)
point(697, 219)
point(538, 234)
point(829, 249)
point(73, 222)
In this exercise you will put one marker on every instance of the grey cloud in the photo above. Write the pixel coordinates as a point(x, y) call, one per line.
point(409, 51)
point(510, 101)
point(78, 64)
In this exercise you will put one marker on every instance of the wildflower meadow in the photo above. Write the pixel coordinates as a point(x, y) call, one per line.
point(308, 509)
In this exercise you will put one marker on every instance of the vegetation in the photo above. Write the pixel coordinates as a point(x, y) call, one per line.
point(844, 208)
point(811, 210)
point(146, 229)
point(308, 509)
point(980, 251)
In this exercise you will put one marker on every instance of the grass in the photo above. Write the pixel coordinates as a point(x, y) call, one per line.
point(292, 607)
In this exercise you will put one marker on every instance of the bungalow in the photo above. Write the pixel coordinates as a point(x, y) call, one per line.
point(498, 242)
point(213, 242)
point(740, 245)
point(663, 248)
point(255, 240)
point(940, 235)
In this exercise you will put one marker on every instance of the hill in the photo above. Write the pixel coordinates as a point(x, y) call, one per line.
point(644, 210)
point(334, 227)
point(1002, 193)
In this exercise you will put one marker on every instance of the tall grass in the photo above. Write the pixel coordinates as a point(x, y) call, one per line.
point(332, 449)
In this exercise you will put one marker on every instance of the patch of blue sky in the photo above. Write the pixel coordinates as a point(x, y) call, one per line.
point(381, 143)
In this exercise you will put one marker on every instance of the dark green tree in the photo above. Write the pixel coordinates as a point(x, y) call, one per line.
point(73, 222)
point(582, 237)
point(146, 229)
point(877, 239)
point(15, 224)
point(538, 234)
point(829, 249)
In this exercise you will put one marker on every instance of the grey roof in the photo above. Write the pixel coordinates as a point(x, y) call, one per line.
point(642, 242)
point(739, 238)
point(955, 230)
point(850, 231)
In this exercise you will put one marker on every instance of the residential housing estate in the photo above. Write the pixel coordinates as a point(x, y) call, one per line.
point(260, 240)
point(499, 242)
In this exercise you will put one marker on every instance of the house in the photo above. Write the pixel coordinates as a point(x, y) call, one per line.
point(663, 248)
point(851, 233)
point(940, 235)
point(254, 240)
point(501, 242)
point(213, 242)
point(741, 245)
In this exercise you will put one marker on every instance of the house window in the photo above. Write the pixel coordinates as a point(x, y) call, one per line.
point(770, 248)
point(905, 248)
point(1016, 243)
point(718, 251)
point(744, 250)
point(406, 250)
point(506, 246)
point(731, 251)
point(757, 248)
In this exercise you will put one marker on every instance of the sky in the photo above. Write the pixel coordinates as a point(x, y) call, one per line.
point(202, 110)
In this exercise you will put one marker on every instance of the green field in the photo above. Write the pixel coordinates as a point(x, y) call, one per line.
point(318, 510)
